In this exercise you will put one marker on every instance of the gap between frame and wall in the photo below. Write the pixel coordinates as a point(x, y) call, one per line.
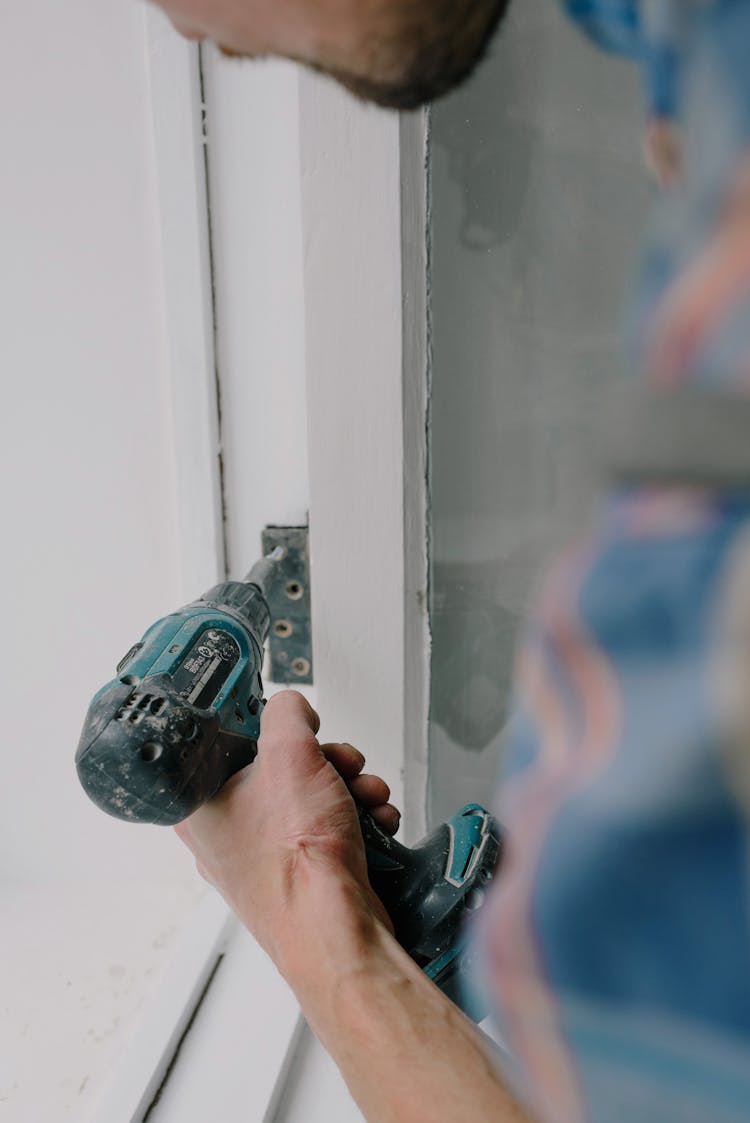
point(417, 380)
point(189, 300)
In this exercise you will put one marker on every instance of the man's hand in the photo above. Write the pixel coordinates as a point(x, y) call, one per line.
point(287, 819)
point(282, 844)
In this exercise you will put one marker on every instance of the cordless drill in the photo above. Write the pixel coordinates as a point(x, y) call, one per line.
point(183, 715)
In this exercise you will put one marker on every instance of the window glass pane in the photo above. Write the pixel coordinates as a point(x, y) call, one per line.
point(537, 188)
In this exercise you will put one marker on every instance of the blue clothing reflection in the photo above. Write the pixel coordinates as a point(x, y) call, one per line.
point(617, 941)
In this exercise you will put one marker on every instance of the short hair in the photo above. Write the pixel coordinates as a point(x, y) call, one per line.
point(424, 49)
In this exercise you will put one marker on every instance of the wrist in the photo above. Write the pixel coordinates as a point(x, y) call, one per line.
point(348, 972)
point(320, 914)
point(329, 930)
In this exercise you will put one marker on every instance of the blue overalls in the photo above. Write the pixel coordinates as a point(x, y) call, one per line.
point(616, 942)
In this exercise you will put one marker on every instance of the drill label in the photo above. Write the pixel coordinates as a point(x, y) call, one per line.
point(201, 675)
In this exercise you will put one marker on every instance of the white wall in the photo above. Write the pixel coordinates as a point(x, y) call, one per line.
point(87, 495)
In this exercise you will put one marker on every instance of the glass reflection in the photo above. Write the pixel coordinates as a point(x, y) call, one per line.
point(537, 185)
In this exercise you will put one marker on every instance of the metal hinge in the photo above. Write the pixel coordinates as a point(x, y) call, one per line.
point(290, 641)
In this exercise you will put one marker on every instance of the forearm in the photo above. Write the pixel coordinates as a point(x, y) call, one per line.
point(283, 844)
point(406, 1052)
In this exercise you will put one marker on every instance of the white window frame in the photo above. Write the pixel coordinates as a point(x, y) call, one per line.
point(362, 194)
point(181, 187)
point(180, 160)
point(364, 219)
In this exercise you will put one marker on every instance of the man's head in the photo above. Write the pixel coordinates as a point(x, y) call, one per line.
point(397, 53)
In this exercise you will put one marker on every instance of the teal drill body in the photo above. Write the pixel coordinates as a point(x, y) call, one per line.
point(183, 714)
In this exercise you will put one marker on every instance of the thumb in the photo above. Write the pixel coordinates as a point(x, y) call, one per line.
point(288, 729)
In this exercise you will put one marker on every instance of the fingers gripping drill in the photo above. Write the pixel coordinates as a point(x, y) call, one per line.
point(183, 715)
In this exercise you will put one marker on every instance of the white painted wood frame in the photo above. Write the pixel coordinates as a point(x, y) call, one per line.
point(362, 193)
point(359, 310)
point(179, 142)
point(184, 221)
